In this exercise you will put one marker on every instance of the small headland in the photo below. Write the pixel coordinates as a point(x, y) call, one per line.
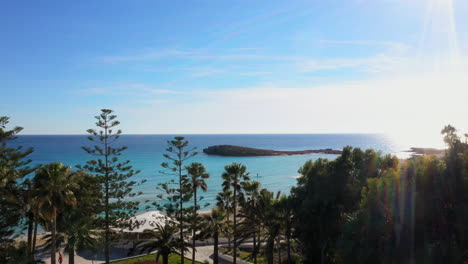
point(427, 151)
point(238, 151)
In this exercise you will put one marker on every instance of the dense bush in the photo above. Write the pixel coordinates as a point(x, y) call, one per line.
point(367, 208)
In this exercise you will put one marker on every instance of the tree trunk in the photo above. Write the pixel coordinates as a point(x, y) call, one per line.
point(270, 249)
point(34, 241)
point(30, 234)
point(107, 231)
point(254, 252)
point(259, 242)
point(235, 222)
point(181, 224)
point(166, 258)
point(71, 256)
point(215, 248)
point(228, 234)
point(279, 251)
point(193, 224)
point(52, 248)
point(157, 257)
point(288, 240)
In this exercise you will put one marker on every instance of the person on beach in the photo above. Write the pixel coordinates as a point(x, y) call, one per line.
point(60, 259)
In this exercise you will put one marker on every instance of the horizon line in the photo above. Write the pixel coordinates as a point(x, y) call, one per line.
point(172, 134)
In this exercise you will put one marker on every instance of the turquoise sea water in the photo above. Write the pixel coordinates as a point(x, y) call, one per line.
point(145, 152)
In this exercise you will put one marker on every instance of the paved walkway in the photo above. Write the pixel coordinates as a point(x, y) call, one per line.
point(203, 254)
point(78, 260)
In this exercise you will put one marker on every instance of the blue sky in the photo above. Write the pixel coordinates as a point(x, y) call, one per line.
point(233, 66)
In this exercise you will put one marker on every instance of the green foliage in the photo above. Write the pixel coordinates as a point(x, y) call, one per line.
point(54, 186)
point(234, 178)
point(224, 201)
point(178, 191)
point(328, 194)
point(212, 226)
point(173, 259)
point(196, 180)
point(213, 223)
point(252, 223)
point(13, 167)
point(75, 224)
point(118, 203)
point(15, 254)
point(163, 241)
point(13, 162)
point(367, 208)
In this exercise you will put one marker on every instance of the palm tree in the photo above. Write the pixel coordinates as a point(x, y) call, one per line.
point(249, 209)
point(285, 208)
point(214, 225)
point(271, 219)
point(197, 175)
point(76, 235)
point(38, 218)
point(224, 202)
point(24, 197)
point(54, 186)
point(234, 177)
point(164, 241)
point(74, 225)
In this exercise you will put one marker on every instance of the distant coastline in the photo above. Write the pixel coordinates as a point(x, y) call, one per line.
point(238, 151)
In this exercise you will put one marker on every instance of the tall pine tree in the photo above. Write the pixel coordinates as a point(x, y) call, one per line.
point(113, 176)
point(177, 191)
point(13, 167)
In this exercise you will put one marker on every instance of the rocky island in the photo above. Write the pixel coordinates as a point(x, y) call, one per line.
point(238, 151)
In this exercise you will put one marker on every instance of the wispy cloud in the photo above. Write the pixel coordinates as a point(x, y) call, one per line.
point(374, 64)
point(390, 46)
point(384, 57)
point(155, 102)
point(195, 54)
point(146, 56)
point(255, 73)
point(206, 72)
point(247, 49)
point(389, 56)
point(128, 89)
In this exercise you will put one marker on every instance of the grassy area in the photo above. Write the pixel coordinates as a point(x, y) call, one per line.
point(173, 259)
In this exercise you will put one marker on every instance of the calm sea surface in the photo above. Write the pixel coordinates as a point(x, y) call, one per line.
point(145, 153)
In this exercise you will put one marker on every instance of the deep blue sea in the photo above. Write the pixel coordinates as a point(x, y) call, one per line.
point(146, 154)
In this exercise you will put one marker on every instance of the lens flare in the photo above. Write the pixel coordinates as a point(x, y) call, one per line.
point(438, 47)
